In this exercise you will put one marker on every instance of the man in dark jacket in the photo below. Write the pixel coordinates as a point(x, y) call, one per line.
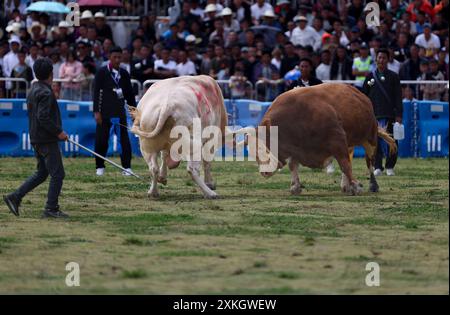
point(306, 77)
point(112, 89)
point(45, 132)
point(383, 88)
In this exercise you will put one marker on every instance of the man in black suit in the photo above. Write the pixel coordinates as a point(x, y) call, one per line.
point(112, 89)
point(383, 88)
point(306, 77)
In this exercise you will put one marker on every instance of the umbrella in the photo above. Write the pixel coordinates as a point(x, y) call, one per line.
point(269, 33)
point(100, 3)
point(48, 7)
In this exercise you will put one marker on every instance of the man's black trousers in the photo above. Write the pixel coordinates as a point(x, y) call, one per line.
point(102, 141)
point(382, 147)
point(49, 162)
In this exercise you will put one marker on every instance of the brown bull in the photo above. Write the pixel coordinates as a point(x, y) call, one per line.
point(316, 124)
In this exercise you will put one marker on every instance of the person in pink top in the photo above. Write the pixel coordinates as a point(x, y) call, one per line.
point(70, 69)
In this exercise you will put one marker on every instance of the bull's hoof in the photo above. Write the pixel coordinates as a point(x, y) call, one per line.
point(296, 190)
point(373, 187)
point(153, 194)
point(162, 180)
point(211, 186)
point(355, 189)
point(212, 195)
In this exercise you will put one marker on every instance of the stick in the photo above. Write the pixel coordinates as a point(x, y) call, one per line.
point(103, 158)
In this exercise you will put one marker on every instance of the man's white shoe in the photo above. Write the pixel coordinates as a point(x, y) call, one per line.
point(377, 172)
point(390, 172)
point(330, 168)
point(100, 171)
point(127, 173)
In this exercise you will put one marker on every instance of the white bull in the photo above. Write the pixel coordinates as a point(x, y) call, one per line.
point(177, 102)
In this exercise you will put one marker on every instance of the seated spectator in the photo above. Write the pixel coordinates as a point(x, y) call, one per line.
point(173, 38)
point(268, 19)
point(185, 66)
point(103, 29)
point(393, 64)
point(21, 71)
point(276, 58)
point(220, 63)
point(219, 32)
point(410, 69)
point(290, 59)
point(230, 23)
point(165, 68)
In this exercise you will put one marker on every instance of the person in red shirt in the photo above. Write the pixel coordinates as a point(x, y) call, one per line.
point(420, 5)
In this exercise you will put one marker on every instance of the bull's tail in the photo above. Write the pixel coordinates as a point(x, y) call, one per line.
point(163, 116)
point(383, 134)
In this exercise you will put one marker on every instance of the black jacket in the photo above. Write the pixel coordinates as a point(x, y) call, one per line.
point(383, 107)
point(43, 114)
point(106, 100)
point(299, 83)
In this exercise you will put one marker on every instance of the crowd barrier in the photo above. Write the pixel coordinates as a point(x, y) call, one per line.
point(426, 127)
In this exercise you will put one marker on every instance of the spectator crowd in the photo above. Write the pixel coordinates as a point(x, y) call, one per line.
point(236, 40)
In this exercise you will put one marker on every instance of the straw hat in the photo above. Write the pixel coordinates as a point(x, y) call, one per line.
point(36, 24)
point(99, 15)
point(211, 8)
point(269, 13)
point(65, 24)
point(226, 12)
point(86, 15)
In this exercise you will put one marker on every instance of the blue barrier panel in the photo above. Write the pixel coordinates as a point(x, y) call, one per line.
point(406, 145)
point(433, 129)
point(14, 136)
point(359, 152)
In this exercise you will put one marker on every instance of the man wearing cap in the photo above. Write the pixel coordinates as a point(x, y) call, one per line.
point(10, 60)
point(103, 29)
point(269, 19)
point(383, 88)
point(209, 18)
point(362, 65)
point(45, 132)
point(65, 32)
point(112, 88)
point(305, 35)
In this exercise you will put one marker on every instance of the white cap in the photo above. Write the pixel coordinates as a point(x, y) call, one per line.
point(226, 12)
point(63, 23)
point(86, 15)
point(14, 39)
point(211, 8)
point(269, 13)
point(99, 14)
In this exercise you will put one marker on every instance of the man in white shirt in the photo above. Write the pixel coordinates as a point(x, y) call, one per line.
point(305, 35)
point(428, 40)
point(323, 70)
point(185, 66)
point(258, 10)
point(164, 67)
point(10, 60)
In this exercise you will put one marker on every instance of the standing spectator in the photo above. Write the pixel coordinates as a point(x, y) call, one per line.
point(306, 75)
point(70, 70)
point(164, 67)
point(290, 59)
point(230, 23)
point(362, 65)
point(143, 69)
point(270, 20)
point(102, 28)
point(21, 71)
point(10, 60)
point(417, 6)
point(428, 40)
point(208, 56)
point(440, 26)
point(276, 58)
point(65, 32)
point(112, 89)
point(83, 52)
point(258, 9)
point(185, 66)
point(45, 132)
point(305, 35)
point(33, 55)
point(339, 33)
point(324, 69)
point(386, 96)
point(410, 68)
point(55, 57)
point(341, 66)
point(424, 75)
point(242, 10)
point(86, 79)
point(208, 20)
point(401, 47)
point(393, 64)
point(219, 33)
point(267, 72)
point(220, 63)
point(433, 92)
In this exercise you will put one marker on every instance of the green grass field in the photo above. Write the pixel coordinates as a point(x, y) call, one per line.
point(255, 239)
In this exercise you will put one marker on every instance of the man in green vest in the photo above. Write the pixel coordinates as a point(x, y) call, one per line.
point(362, 65)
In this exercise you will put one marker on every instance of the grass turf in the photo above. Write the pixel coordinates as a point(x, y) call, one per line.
point(255, 239)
